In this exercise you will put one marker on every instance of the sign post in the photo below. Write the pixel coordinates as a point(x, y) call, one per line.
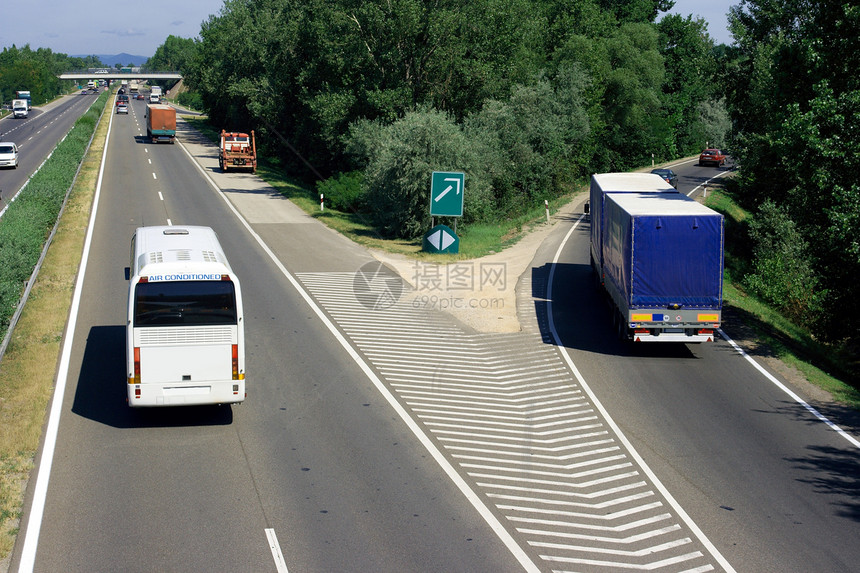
point(446, 200)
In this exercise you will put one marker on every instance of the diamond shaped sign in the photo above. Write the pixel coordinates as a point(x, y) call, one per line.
point(441, 239)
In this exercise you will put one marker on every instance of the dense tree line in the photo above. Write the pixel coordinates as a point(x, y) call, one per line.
point(794, 93)
point(36, 71)
point(526, 96)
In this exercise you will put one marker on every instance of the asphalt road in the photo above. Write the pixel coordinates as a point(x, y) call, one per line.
point(387, 439)
point(313, 454)
point(36, 136)
point(774, 488)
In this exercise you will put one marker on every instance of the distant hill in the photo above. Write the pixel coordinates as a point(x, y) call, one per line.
point(121, 59)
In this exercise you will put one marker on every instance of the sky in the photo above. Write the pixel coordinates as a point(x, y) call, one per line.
point(714, 12)
point(139, 27)
point(103, 27)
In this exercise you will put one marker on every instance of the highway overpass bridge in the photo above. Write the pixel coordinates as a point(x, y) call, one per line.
point(86, 75)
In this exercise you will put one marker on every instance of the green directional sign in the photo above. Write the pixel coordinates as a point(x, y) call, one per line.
point(446, 194)
point(441, 239)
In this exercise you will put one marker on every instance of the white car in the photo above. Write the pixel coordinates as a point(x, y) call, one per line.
point(122, 108)
point(8, 154)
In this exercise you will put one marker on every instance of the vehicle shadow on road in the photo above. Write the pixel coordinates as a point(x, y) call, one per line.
point(101, 390)
point(582, 315)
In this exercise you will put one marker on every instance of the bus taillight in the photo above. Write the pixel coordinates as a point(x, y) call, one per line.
point(136, 379)
point(235, 362)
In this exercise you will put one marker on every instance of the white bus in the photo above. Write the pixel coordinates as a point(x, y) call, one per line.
point(185, 341)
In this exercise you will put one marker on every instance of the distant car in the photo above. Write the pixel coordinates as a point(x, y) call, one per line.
point(713, 157)
point(121, 91)
point(140, 96)
point(122, 108)
point(8, 154)
point(84, 92)
point(668, 175)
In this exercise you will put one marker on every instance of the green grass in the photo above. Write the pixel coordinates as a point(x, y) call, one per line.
point(29, 365)
point(828, 367)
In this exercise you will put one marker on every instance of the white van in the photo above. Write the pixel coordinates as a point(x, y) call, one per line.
point(19, 108)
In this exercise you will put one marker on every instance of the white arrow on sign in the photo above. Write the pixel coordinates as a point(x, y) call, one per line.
point(440, 240)
point(448, 188)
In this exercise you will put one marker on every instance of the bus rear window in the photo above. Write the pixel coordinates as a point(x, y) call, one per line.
point(184, 303)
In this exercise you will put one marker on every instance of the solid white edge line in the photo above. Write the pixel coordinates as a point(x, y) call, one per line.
point(277, 555)
point(446, 466)
point(40, 492)
point(721, 173)
point(851, 439)
point(621, 437)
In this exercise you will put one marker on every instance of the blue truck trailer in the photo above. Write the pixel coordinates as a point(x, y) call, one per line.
point(659, 256)
point(603, 183)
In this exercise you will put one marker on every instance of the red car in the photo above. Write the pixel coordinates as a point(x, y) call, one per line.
point(713, 157)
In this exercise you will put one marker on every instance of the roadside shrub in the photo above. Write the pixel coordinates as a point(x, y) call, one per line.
point(345, 191)
point(400, 159)
point(191, 100)
point(782, 272)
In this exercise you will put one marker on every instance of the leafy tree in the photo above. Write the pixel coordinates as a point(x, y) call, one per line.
point(636, 10)
point(399, 158)
point(536, 139)
point(635, 128)
point(783, 273)
point(712, 126)
point(690, 100)
point(548, 90)
point(36, 71)
point(175, 54)
point(798, 117)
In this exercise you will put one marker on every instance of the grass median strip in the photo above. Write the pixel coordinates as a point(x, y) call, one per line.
point(28, 369)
